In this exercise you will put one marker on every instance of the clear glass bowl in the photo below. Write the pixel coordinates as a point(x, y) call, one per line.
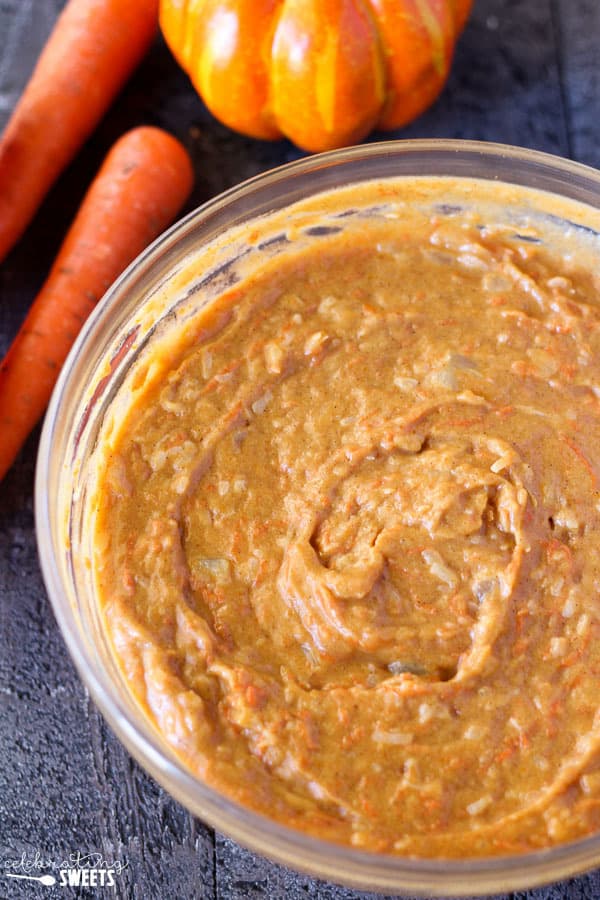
point(114, 336)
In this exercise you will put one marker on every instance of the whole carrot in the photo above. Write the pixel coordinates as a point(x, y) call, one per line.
point(141, 186)
point(94, 47)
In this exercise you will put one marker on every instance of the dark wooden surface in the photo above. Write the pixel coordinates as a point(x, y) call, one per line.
point(526, 72)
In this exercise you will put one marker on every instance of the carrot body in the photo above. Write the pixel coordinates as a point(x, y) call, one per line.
point(94, 47)
point(141, 186)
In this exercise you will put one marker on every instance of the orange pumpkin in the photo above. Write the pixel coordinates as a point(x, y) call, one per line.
point(321, 72)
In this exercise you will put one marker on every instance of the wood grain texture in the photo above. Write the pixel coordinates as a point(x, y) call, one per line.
point(526, 73)
point(578, 37)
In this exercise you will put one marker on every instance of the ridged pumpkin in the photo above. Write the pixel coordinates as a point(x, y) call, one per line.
point(321, 72)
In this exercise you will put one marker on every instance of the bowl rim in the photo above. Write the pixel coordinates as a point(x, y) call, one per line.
point(351, 867)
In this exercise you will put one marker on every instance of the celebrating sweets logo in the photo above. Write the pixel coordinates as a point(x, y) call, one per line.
point(76, 870)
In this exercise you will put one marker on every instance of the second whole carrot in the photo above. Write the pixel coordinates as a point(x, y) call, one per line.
point(141, 186)
point(94, 47)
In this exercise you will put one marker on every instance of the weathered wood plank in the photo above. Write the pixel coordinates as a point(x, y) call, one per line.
point(577, 24)
point(525, 73)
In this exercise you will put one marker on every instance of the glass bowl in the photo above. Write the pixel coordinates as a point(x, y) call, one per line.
point(133, 312)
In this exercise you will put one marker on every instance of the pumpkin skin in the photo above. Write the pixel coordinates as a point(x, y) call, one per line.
point(320, 72)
